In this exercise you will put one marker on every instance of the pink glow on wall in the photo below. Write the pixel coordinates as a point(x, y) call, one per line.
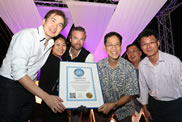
point(129, 18)
point(94, 17)
point(19, 14)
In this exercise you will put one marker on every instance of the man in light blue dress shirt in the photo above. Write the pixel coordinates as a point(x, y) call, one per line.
point(26, 54)
point(160, 79)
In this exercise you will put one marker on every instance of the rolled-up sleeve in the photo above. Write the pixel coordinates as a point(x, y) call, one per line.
point(21, 49)
point(143, 99)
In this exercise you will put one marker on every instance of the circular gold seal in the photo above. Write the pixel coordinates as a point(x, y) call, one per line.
point(89, 95)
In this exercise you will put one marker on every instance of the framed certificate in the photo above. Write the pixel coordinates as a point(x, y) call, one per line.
point(79, 85)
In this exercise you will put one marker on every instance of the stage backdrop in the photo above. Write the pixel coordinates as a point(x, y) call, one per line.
point(128, 18)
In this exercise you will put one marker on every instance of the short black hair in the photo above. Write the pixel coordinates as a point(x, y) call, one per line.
point(133, 45)
point(113, 34)
point(60, 36)
point(146, 33)
point(57, 12)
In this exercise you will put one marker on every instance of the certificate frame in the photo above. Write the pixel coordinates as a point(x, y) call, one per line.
point(79, 84)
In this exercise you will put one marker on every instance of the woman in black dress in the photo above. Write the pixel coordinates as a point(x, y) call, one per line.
point(49, 80)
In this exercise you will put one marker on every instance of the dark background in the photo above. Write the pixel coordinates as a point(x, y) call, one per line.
point(177, 30)
point(176, 21)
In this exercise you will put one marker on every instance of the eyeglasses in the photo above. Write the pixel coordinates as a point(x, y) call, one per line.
point(111, 46)
point(150, 43)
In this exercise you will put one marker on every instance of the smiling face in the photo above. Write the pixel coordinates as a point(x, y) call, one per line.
point(134, 54)
point(53, 26)
point(113, 47)
point(149, 45)
point(77, 40)
point(59, 47)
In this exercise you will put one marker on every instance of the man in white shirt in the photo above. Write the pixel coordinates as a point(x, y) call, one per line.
point(27, 53)
point(160, 81)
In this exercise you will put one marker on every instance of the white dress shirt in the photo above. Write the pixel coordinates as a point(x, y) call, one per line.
point(162, 81)
point(26, 54)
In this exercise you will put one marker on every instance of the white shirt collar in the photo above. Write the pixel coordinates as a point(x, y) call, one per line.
point(71, 54)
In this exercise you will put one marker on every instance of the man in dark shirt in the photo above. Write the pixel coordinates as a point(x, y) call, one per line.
point(77, 53)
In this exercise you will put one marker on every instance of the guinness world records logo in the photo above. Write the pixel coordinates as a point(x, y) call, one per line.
point(79, 72)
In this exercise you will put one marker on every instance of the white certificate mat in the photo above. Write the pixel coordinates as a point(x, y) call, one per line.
point(79, 85)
